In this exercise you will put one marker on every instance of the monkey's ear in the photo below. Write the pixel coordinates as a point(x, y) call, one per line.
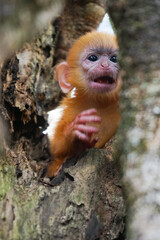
point(61, 75)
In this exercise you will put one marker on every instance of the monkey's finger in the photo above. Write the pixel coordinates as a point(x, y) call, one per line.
point(95, 140)
point(88, 119)
point(88, 112)
point(86, 129)
point(82, 136)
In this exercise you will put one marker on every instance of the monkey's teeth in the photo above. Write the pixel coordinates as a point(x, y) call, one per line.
point(100, 81)
point(104, 79)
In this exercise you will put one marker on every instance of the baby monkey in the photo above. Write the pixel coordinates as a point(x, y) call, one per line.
point(89, 114)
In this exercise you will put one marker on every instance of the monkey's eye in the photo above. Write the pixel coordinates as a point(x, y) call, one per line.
point(92, 58)
point(113, 59)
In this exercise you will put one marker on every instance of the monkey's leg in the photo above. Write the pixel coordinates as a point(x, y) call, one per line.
point(54, 167)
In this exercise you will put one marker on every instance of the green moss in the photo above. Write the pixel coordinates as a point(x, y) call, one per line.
point(141, 148)
point(77, 198)
point(7, 176)
point(26, 222)
point(1, 234)
point(25, 203)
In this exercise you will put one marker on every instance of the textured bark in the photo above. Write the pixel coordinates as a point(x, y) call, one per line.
point(20, 19)
point(137, 25)
point(85, 200)
point(87, 204)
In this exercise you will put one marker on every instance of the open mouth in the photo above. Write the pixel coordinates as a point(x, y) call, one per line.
point(103, 83)
point(104, 80)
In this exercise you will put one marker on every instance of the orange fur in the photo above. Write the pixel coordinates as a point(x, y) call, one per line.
point(64, 144)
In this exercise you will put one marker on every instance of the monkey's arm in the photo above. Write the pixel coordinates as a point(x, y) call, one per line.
point(72, 139)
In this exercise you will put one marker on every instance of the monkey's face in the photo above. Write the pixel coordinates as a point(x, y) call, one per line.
point(100, 67)
point(93, 66)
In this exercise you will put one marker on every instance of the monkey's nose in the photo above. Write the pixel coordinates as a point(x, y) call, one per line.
point(104, 65)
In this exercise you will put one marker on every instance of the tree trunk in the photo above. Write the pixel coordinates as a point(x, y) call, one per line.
point(20, 19)
point(84, 201)
point(137, 24)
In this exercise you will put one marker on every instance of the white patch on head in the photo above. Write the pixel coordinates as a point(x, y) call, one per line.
point(73, 93)
point(54, 117)
point(105, 25)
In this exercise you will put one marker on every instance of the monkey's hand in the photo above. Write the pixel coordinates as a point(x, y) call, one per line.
point(77, 130)
point(81, 130)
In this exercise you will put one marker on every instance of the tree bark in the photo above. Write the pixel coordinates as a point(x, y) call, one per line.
point(137, 25)
point(85, 200)
point(21, 19)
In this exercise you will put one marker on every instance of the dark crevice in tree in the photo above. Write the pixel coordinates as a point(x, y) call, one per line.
point(93, 229)
point(46, 51)
point(122, 236)
point(69, 177)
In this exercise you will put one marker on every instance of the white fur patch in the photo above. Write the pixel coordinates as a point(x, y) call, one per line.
point(105, 25)
point(73, 93)
point(53, 118)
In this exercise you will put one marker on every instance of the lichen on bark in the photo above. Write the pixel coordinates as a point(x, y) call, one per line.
point(137, 27)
